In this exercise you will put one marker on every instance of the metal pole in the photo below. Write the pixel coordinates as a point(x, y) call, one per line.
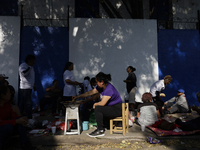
point(198, 20)
point(68, 19)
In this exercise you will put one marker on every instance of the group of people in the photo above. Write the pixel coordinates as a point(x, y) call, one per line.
point(11, 119)
point(98, 93)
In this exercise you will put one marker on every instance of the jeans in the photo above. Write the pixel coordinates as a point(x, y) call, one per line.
point(175, 109)
point(25, 102)
point(7, 130)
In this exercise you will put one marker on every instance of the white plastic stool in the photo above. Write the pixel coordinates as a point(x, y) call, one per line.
point(72, 113)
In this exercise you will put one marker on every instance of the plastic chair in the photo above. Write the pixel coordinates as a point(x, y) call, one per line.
point(124, 119)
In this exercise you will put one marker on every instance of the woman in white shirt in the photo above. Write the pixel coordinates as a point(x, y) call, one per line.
point(158, 87)
point(69, 81)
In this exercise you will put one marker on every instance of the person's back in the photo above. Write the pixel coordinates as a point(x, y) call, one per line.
point(147, 112)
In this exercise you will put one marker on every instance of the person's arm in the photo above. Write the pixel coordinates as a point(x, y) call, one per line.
point(48, 89)
point(138, 114)
point(72, 82)
point(171, 100)
point(127, 81)
point(94, 97)
point(52, 89)
point(86, 94)
point(196, 109)
point(102, 102)
point(25, 70)
point(22, 120)
point(158, 114)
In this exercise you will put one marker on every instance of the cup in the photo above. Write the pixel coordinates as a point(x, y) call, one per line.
point(143, 128)
point(53, 129)
point(85, 125)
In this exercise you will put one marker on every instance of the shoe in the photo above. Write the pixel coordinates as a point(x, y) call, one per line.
point(96, 133)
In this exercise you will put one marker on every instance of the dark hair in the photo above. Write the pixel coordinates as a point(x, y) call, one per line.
point(12, 91)
point(146, 97)
point(29, 57)
point(87, 78)
point(93, 80)
point(168, 77)
point(67, 66)
point(103, 77)
point(132, 69)
point(3, 90)
point(55, 80)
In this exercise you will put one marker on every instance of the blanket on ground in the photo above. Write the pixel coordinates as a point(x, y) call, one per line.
point(175, 130)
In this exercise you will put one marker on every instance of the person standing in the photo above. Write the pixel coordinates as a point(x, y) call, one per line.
point(27, 81)
point(156, 90)
point(131, 86)
point(69, 81)
point(158, 87)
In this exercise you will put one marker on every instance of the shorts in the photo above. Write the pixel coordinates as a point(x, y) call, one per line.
point(131, 98)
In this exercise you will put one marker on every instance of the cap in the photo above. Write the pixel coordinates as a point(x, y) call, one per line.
point(181, 91)
point(3, 76)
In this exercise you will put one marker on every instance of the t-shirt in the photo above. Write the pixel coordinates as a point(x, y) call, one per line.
point(157, 86)
point(148, 113)
point(86, 83)
point(69, 89)
point(132, 84)
point(27, 79)
point(112, 92)
point(53, 94)
point(7, 115)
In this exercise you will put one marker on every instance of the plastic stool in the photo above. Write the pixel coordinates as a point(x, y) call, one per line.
point(72, 113)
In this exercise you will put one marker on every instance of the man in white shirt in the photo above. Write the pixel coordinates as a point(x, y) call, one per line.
point(27, 81)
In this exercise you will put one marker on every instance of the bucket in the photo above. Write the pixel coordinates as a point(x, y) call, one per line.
point(85, 125)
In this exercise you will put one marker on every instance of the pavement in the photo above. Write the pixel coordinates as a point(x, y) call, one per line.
point(135, 135)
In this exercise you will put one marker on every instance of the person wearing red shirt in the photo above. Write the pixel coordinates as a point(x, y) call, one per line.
point(9, 119)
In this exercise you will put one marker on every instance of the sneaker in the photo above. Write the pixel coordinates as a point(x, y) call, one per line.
point(96, 133)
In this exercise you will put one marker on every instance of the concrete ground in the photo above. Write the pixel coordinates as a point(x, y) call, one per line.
point(134, 134)
point(134, 137)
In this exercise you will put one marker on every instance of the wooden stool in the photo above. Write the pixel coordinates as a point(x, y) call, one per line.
point(124, 119)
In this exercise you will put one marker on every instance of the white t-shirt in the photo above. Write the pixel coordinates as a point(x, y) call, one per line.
point(27, 79)
point(69, 89)
point(157, 86)
point(86, 83)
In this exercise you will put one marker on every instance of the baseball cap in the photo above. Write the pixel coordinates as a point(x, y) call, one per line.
point(3, 76)
point(181, 91)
